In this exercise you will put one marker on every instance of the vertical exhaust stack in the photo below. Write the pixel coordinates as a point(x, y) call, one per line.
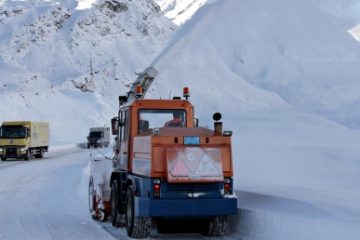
point(217, 125)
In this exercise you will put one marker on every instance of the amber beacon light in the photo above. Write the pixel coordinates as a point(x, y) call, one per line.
point(138, 91)
point(186, 92)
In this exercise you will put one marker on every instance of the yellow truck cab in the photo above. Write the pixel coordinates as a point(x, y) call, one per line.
point(23, 139)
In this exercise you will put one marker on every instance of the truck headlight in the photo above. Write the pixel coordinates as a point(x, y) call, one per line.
point(1, 150)
point(22, 150)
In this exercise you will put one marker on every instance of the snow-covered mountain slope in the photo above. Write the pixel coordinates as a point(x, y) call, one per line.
point(355, 32)
point(303, 55)
point(67, 66)
point(280, 71)
point(346, 10)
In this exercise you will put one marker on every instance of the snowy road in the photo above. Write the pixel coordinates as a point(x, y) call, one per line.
point(47, 199)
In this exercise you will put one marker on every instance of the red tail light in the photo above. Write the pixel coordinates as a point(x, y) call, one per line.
point(227, 186)
point(156, 188)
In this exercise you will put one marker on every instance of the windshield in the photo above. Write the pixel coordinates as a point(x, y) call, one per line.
point(155, 118)
point(12, 132)
point(95, 135)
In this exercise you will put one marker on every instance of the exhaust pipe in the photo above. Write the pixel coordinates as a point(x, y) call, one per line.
point(218, 128)
point(217, 125)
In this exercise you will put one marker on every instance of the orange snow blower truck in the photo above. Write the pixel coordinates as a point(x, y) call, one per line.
point(166, 167)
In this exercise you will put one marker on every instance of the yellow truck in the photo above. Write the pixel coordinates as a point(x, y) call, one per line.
point(23, 139)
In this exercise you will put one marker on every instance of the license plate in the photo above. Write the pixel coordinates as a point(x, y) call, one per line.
point(191, 140)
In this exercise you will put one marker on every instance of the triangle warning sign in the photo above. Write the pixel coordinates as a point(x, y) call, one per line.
point(207, 168)
point(179, 169)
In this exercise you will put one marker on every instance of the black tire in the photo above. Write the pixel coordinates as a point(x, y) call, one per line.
point(3, 158)
point(215, 227)
point(41, 154)
point(163, 226)
point(92, 196)
point(88, 145)
point(27, 155)
point(115, 200)
point(136, 227)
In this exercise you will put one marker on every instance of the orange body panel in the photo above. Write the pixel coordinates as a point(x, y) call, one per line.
point(150, 154)
point(150, 150)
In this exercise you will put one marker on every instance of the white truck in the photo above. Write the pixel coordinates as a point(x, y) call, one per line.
point(23, 139)
point(98, 137)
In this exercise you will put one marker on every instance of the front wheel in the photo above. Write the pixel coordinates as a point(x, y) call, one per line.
point(136, 227)
point(3, 158)
point(92, 198)
point(27, 155)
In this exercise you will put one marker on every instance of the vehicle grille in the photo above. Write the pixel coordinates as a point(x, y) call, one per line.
point(11, 152)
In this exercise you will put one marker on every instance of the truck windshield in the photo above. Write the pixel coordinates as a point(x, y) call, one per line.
point(156, 118)
point(95, 135)
point(13, 132)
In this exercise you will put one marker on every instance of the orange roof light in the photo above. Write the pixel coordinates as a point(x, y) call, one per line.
point(138, 91)
point(186, 92)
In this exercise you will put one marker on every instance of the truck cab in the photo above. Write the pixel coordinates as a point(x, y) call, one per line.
point(23, 139)
point(98, 137)
point(166, 167)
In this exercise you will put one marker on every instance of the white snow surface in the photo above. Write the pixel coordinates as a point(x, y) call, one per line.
point(355, 32)
point(68, 66)
point(180, 11)
point(284, 74)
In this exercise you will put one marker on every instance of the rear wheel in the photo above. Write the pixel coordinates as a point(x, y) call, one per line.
point(40, 154)
point(136, 227)
point(115, 204)
point(163, 226)
point(92, 198)
point(3, 158)
point(215, 227)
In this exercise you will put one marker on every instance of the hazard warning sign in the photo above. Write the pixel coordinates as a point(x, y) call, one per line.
point(194, 164)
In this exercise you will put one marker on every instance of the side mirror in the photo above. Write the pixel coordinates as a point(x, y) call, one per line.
point(196, 122)
point(115, 125)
